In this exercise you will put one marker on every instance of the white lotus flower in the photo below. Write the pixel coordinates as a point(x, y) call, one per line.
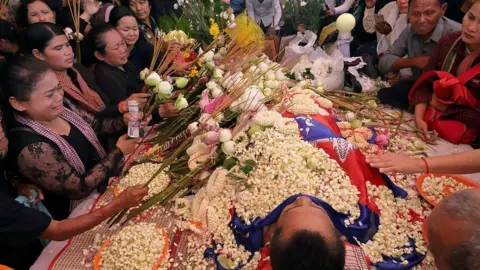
point(229, 148)
point(216, 92)
point(153, 79)
point(225, 134)
point(211, 85)
point(270, 76)
point(164, 87)
point(279, 75)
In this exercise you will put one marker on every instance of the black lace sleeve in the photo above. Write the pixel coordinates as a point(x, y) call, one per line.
point(44, 165)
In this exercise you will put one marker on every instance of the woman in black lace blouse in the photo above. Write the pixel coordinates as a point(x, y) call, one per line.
point(51, 145)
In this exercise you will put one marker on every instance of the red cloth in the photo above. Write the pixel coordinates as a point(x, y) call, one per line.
point(449, 89)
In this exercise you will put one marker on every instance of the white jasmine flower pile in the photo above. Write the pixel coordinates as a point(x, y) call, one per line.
point(438, 187)
point(139, 174)
point(395, 230)
point(139, 246)
point(286, 165)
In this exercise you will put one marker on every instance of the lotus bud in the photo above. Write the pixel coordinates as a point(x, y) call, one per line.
point(320, 89)
point(267, 91)
point(218, 73)
point(219, 117)
point(372, 103)
point(217, 57)
point(263, 67)
point(254, 129)
point(229, 148)
point(181, 103)
point(279, 75)
point(216, 92)
point(211, 138)
point(223, 51)
point(211, 85)
point(261, 85)
point(349, 116)
point(382, 140)
point(356, 123)
point(210, 65)
point(164, 88)
point(153, 79)
point(68, 30)
point(181, 82)
point(270, 76)
point(144, 74)
point(192, 128)
point(225, 134)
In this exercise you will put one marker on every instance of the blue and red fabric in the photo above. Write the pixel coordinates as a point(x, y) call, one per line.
point(323, 132)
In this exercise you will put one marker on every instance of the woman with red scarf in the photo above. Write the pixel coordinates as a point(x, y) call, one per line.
point(446, 97)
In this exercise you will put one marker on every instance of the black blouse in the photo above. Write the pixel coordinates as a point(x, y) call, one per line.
point(116, 84)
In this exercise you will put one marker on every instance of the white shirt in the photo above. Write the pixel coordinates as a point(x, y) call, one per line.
point(391, 14)
point(264, 12)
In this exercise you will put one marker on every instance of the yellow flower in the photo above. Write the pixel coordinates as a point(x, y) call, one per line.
point(185, 55)
point(212, 21)
point(214, 30)
point(193, 73)
point(199, 63)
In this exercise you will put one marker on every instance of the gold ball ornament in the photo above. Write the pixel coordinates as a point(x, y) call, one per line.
point(345, 23)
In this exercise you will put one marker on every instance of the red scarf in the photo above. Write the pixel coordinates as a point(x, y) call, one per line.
point(85, 96)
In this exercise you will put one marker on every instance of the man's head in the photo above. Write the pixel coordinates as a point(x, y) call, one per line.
point(425, 14)
point(305, 238)
point(453, 231)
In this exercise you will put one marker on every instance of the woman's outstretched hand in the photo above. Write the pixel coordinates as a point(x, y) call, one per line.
point(390, 162)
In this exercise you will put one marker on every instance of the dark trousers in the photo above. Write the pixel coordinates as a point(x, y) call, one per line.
point(396, 96)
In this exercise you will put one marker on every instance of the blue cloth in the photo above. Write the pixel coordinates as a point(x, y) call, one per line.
point(38, 206)
point(237, 5)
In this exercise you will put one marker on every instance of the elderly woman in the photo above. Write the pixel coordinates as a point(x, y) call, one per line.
point(115, 74)
point(446, 97)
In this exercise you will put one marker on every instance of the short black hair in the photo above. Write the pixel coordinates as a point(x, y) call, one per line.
point(117, 13)
point(306, 250)
point(441, 2)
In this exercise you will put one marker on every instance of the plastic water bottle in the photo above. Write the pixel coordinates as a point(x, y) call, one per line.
point(133, 126)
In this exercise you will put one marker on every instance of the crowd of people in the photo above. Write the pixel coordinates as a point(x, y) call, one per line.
point(64, 118)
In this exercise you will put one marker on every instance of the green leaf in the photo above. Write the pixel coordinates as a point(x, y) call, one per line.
point(251, 163)
point(247, 169)
point(230, 163)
